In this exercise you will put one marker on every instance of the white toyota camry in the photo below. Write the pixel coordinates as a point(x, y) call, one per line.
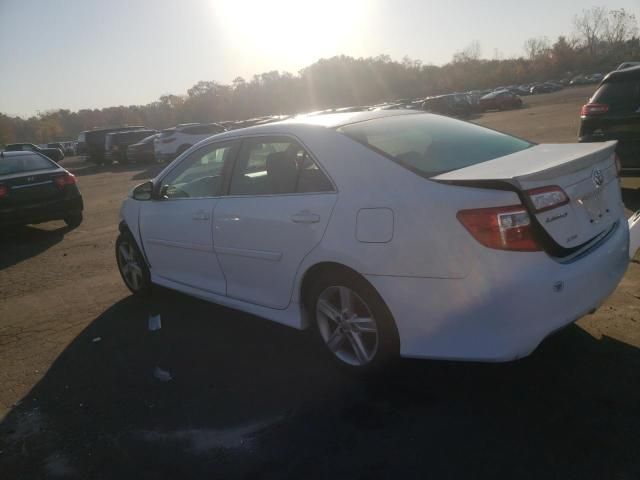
point(388, 232)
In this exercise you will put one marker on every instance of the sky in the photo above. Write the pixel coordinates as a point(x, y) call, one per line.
point(97, 53)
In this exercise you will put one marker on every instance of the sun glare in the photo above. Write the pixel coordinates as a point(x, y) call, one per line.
point(293, 32)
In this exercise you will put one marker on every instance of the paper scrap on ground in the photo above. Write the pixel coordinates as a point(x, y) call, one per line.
point(162, 375)
point(154, 323)
point(96, 339)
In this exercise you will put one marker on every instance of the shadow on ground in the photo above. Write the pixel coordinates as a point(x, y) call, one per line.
point(250, 399)
point(21, 243)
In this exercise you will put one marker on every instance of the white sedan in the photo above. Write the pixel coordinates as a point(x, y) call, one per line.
point(388, 232)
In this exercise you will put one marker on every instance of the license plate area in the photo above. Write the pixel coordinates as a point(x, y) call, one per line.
point(595, 205)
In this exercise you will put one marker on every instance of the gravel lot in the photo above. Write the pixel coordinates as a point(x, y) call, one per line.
point(251, 399)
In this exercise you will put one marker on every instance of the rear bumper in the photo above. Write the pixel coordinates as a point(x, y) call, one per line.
point(501, 311)
point(42, 212)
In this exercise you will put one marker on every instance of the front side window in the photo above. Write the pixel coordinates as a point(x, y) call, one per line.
point(276, 166)
point(200, 174)
point(430, 145)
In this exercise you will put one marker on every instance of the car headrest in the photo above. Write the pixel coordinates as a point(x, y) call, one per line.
point(282, 172)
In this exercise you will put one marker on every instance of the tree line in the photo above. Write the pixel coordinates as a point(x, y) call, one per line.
point(601, 40)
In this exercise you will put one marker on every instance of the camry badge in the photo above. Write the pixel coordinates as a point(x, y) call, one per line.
point(597, 177)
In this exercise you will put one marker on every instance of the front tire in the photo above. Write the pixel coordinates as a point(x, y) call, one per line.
point(352, 322)
point(132, 266)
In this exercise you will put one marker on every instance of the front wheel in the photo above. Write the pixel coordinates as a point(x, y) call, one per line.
point(353, 323)
point(133, 268)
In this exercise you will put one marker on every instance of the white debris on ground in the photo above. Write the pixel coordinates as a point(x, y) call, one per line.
point(96, 339)
point(162, 375)
point(204, 440)
point(154, 323)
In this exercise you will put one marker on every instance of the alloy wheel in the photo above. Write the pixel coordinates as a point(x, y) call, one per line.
point(347, 326)
point(129, 266)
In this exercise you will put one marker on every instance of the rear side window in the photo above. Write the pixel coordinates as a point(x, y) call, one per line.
point(430, 145)
point(276, 166)
point(622, 96)
point(25, 163)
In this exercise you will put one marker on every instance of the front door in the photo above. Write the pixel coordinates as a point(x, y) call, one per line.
point(276, 212)
point(176, 230)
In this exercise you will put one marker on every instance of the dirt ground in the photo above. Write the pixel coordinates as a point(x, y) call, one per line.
point(251, 399)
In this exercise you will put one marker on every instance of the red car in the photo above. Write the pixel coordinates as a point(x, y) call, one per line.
point(501, 100)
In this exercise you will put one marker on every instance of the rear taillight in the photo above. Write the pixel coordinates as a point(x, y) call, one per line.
point(502, 228)
point(4, 191)
point(546, 198)
point(66, 179)
point(594, 109)
point(618, 164)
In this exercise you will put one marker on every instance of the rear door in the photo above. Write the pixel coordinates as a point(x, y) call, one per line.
point(176, 230)
point(278, 207)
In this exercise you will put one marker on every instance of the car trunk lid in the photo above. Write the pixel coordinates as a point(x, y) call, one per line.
point(32, 187)
point(585, 172)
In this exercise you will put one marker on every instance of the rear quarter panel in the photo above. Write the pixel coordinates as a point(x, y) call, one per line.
point(427, 240)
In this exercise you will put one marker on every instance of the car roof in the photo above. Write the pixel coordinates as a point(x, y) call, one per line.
point(624, 74)
point(328, 121)
point(19, 153)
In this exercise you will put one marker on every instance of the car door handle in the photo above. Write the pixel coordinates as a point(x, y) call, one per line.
point(305, 217)
point(201, 215)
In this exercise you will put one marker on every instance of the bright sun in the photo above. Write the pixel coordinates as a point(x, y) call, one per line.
point(292, 31)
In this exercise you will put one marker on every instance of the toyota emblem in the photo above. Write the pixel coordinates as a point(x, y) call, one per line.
point(597, 177)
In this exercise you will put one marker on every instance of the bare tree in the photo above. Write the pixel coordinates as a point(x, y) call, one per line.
point(590, 25)
point(619, 26)
point(537, 47)
point(469, 53)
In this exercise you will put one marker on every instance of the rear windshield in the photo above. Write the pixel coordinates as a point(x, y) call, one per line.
point(25, 163)
point(621, 96)
point(431, 144)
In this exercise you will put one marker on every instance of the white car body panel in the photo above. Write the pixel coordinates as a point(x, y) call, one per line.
point(262, 238)
point(184, 252)
point(450, 296)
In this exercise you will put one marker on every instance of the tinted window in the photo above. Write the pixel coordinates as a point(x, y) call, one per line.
point(25, 163)
point(276, 165)
point(200, 174)
point(622, 97)
point(430, 145)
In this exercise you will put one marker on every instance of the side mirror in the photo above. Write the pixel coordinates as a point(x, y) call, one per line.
point(144, 191)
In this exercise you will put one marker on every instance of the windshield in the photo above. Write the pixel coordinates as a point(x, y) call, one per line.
point(25, 163)
point(431, 144)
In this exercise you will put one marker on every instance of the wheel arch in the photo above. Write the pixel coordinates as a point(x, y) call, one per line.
point(315, 271)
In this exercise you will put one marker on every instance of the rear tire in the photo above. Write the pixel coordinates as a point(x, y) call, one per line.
point(352, 322)
point(73, 220)
point(132, 266)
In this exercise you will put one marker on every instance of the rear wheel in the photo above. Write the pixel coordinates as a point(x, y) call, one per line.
point(133, 268)
point(73, 220)
point(353, 322)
